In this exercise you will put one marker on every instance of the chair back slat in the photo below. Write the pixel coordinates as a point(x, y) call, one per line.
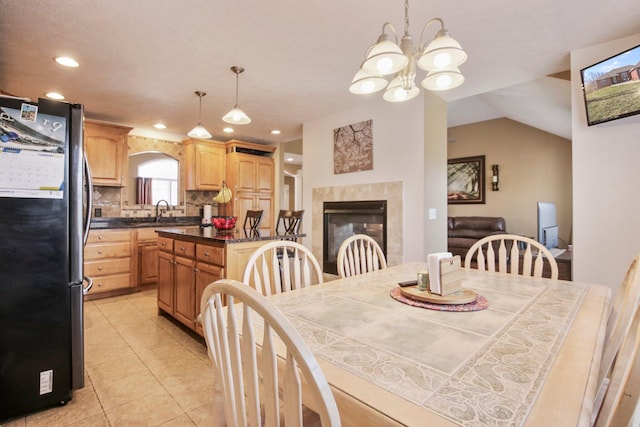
point(281, 266)
point(359, 254)
point(623, 393)
point(508, 261)
point(261, 382)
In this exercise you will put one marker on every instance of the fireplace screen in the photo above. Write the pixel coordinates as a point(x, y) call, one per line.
point(344, 219)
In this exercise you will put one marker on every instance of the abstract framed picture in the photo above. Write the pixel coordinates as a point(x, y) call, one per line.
point(465, 180)
point(353, 148)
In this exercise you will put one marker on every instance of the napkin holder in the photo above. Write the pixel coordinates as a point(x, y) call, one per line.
point(450, 276)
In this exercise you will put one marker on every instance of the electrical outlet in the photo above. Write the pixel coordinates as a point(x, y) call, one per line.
point(432, 213)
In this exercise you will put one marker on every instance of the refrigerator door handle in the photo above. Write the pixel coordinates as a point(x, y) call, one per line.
point(87, 214)
point(86, 289)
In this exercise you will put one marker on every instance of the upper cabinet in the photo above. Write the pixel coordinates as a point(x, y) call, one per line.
point(106, 148)
point(204, 163)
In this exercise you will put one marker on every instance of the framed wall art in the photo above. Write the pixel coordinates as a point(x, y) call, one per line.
point(353, 148)
point(466, 180)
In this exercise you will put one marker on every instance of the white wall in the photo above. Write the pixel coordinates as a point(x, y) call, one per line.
point(398, 155)
point(606, 175)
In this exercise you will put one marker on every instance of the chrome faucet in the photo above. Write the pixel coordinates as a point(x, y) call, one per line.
point(158, 211)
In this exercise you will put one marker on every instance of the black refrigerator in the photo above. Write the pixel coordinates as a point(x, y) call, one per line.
point(43, 223)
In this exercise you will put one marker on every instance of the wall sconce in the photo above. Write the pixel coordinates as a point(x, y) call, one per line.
point(495, 179)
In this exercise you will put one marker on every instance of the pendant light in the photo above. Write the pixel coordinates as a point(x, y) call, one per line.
point(199, 131)
point(236, 116)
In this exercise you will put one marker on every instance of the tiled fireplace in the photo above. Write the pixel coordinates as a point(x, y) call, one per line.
point(391, 192)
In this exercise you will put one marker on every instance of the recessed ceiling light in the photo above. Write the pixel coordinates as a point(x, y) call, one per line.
point(67, 61)
point(227, 130)
point(289, 159)
point(159, 125)
point(275, 132)
point(54, 95)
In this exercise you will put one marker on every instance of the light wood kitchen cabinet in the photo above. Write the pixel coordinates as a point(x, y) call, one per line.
point(166, 276)
point(209, 268)
point(205, 164)
point(109, 260)
point(147, 256)
point(251, 179)
point(106, 148)
point(184, 273)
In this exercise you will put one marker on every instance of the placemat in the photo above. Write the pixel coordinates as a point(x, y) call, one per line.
point(479, 304)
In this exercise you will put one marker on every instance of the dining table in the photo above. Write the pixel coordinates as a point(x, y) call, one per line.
point(526, 352)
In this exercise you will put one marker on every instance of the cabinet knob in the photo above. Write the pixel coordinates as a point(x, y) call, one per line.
point(206, 254)
point(182, 248)
point(100, 251)
point(100, 268)
point(99, 284)
point(100, 237)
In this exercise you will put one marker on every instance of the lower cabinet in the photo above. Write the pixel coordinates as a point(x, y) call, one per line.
point(109, 260)
point(184, 271)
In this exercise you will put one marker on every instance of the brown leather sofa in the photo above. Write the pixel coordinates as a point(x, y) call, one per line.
point(464, 231)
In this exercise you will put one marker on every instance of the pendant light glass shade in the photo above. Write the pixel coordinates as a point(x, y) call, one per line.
point(364, 82)
point(442, 53)
point(384, 58)
point(236, 116)
point(199, 131)
point(397, 93)
point(443, 79)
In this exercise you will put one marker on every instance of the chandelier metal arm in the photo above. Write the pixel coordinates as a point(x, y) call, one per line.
point(421, 47)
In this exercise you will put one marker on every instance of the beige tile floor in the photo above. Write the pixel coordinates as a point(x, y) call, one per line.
point(141, 369)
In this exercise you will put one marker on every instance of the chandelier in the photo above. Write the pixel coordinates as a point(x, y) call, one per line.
point(440, 58)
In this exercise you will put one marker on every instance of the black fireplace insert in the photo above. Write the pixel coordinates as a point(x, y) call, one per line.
point(344, 219)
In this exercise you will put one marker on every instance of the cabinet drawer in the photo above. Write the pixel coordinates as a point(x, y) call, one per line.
point(109, 283)
point(210, 254)
point(102, 236)
point(186, 249)
point(165, 244)
point(107, 267)
point(107, 250)
point(147, 234)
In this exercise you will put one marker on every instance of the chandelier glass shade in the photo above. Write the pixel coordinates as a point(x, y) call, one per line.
point(440, 57)
point(236, 116)
point(199, 131)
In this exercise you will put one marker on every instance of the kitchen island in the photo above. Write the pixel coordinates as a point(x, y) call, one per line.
point(189, 258)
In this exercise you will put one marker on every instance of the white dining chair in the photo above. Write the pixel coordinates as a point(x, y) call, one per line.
point(281, 266)
point(622, 313)
point(359, 254)
point(620, 406)
point(261, 387)
point(511, 259)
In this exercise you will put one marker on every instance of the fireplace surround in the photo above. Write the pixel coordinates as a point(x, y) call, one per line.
point(342, 219)
point(392, 192)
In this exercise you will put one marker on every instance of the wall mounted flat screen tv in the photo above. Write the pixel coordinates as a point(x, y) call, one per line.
point(612, 87)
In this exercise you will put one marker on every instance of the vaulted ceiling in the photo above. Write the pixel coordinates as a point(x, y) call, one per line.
point(141, 61)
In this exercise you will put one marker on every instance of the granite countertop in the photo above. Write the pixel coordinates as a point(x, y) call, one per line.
point(232, 236)
point(173, 221)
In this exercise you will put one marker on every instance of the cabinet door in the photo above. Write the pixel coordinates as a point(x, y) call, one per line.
point(205, 274)
point(106, 148)
point(148, 261)
point(165, 281)
point(246, 173)
point(264, 174)
point(265, 202)
point(244, 202)
point(184, 283)
point(205, 165)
